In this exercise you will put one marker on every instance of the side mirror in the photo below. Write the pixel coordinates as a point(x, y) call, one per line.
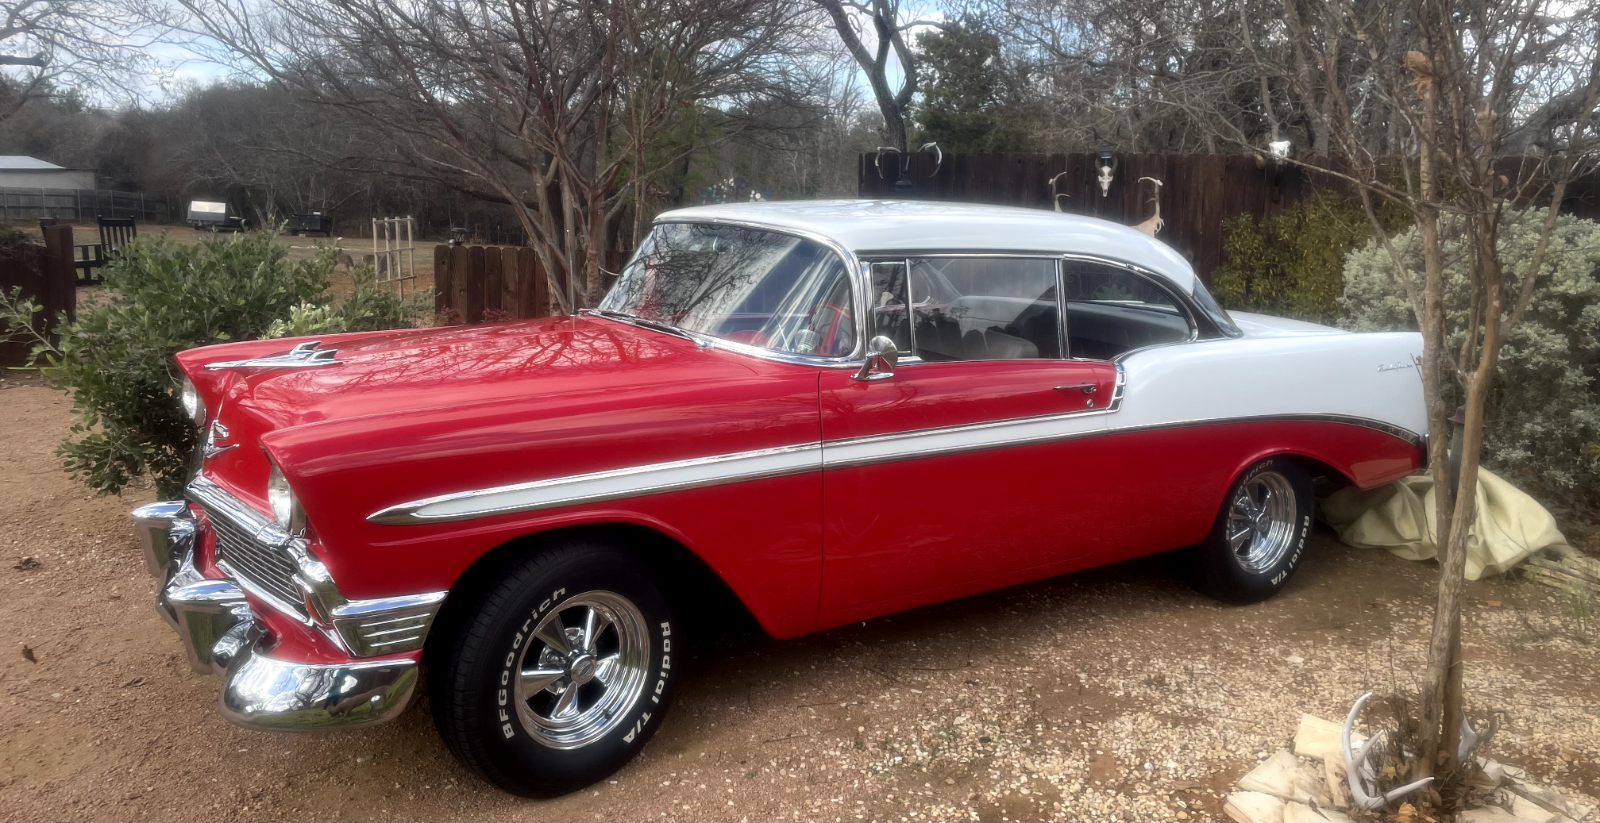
point(882, 355)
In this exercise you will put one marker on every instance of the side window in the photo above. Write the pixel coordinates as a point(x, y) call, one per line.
point(889, 305)
point(985, 308)
point(1111, 311)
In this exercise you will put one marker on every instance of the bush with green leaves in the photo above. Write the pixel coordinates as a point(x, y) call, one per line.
point(1291, 264)
point(164, 297)
point(369, 306)
point(1542, 423)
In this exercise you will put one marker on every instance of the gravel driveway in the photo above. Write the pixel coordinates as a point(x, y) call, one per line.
point(1111, 694)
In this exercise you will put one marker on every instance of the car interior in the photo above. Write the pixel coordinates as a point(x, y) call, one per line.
point(1007, 309)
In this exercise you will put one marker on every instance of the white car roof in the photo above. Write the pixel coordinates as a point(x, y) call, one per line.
point(921, 226)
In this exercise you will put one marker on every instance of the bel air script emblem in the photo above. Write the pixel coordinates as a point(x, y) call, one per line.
point(1394, 366)
point(215, 440)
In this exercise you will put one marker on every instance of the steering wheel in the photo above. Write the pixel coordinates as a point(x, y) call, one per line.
point(828, 336)
point(751, 337)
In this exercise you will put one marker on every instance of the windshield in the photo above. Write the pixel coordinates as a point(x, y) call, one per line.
point(761, 288)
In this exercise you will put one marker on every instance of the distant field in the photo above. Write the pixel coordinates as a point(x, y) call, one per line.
point(359, 250)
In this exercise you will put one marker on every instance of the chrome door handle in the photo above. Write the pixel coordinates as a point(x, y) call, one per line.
point(1086, 388)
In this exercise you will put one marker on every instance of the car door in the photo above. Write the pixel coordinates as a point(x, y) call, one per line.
point(969, 466)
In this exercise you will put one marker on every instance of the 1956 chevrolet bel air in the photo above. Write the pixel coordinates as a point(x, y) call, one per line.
point(830, 410)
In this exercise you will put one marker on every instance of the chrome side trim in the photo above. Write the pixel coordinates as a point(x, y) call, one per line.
point(832, 454)
point(387, 624)
point(303, 355)
point(605, 485)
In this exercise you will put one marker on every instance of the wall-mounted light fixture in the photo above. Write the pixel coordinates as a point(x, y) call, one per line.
point(1279, 149)
point(1105, 168)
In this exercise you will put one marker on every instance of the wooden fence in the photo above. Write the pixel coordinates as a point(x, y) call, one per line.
point(81, 204)
point(497, 282)
point(46, 276)
point(1199, 191)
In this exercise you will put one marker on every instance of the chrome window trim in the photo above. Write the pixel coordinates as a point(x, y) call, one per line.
point(852, 267)
point(408, 513)
point(910, 358)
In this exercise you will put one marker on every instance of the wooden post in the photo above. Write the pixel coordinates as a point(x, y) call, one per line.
point(511, 283)
point(441, 279)
point(535, 286)
point(493, 279)
point(469, 289)
point(60, 292)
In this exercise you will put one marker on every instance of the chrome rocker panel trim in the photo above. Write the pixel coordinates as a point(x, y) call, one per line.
point(221, 636)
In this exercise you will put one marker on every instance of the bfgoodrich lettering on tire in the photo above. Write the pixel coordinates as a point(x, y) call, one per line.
point(1259, 537)
point(560, 673)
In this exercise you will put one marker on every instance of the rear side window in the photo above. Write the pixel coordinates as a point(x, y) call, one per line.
point(1111, 311)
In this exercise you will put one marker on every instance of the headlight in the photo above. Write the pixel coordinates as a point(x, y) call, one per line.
point(280, 498)
point(190, 397)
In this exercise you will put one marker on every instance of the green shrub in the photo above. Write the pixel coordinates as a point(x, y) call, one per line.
point(117, 357)
point(1542, 423)
point(164, 297)
point(1291, 264)
point(368, 307)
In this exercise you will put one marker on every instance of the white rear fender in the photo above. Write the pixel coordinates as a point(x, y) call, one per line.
point(1370, 377)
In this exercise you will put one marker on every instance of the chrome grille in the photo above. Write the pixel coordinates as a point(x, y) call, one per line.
point(268, 568)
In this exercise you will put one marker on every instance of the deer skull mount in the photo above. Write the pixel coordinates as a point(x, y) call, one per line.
point(902, 183)
point(1105, 169)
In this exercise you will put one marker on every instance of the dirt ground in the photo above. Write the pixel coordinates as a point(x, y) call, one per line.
point(1113, 694)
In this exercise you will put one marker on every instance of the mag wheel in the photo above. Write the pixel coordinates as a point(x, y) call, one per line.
point(561, 673)
point(1259, 536)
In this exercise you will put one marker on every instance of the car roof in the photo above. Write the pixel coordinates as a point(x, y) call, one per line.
point(904, 226)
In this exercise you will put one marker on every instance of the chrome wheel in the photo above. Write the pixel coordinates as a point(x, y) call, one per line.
point(582, 670)
point(1261, 521)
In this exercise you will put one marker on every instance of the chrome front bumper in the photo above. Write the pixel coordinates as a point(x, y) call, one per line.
point(221, 636)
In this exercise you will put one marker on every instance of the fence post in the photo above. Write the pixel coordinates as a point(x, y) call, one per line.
point(441, 279)
point(510, 282)
point(493, 279)
point(60, 292)
point(534, 290)
point(469, 289)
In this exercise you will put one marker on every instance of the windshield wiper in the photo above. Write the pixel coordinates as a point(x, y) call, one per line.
point(654, 325)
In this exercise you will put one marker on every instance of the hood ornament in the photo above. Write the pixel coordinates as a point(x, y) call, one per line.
point(302, 356)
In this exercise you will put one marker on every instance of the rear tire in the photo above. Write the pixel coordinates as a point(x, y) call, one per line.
point(1259, 536)
point(561, 674)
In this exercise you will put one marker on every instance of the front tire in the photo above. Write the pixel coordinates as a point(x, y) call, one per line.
point(1259, 537)
point(563, 672)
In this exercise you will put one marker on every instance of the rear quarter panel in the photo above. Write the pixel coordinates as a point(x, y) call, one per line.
point(1195, 416)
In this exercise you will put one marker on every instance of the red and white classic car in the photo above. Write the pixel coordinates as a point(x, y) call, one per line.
point(830, 410)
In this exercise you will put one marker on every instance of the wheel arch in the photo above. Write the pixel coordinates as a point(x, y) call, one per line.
point(682, 572)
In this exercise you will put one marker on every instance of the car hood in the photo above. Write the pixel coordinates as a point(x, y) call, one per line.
point(458, 366)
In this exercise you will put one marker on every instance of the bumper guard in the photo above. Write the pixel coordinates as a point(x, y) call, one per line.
point(221, 636)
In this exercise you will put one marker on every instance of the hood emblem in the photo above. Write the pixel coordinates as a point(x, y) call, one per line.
point(302, 356)
point(215, 437)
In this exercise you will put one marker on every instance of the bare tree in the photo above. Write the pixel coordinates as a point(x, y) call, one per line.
point(545, 105)
point(95, 47)
point(884, 20)
point(1420, 105)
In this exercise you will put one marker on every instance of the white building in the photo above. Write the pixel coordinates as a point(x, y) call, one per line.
point(22, 172)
